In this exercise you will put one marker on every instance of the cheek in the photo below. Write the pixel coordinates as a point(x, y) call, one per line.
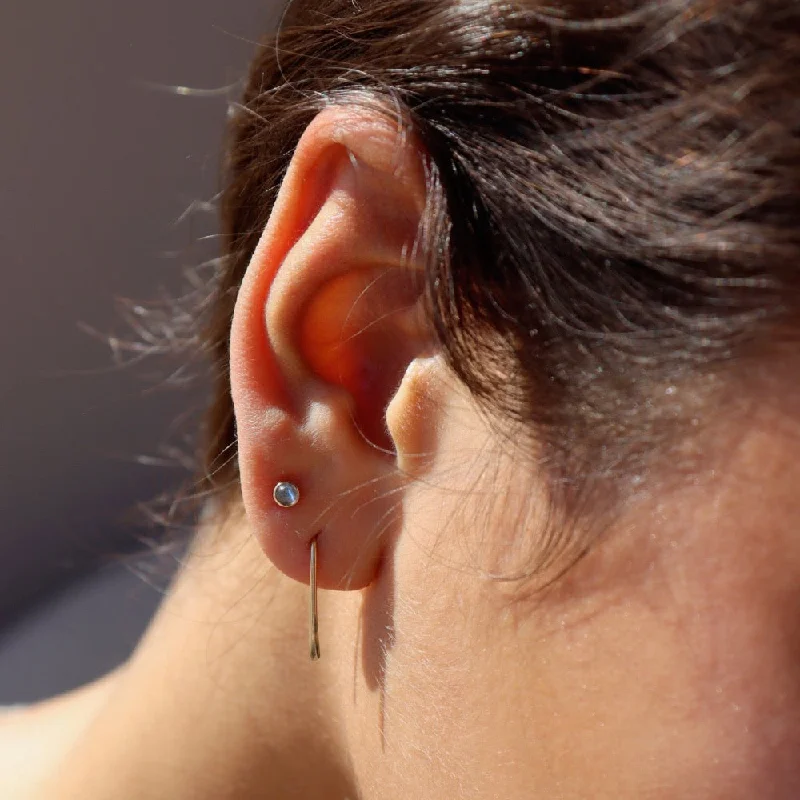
point(739, 625)
point(687, 698)
point(684, 685)
point(666, 665)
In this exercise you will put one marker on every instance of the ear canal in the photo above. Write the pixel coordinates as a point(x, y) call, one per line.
point(360, 333)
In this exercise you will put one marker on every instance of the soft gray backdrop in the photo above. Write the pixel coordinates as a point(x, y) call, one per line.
point(97, 166)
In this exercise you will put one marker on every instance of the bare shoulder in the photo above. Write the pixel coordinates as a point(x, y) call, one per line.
point(32, 742)
point(34, 739)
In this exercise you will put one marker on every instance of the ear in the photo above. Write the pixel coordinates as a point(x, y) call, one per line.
point(328, 339)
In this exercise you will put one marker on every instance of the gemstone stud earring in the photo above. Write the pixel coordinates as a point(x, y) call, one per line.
point(286, 494)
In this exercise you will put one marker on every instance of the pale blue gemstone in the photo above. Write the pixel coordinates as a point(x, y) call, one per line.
point(286, 494)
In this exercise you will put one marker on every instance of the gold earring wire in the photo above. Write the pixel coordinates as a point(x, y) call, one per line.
point(314, 621)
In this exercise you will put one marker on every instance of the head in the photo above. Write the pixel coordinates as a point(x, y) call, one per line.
point(510, 291)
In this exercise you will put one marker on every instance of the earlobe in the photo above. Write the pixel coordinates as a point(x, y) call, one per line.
point(327, 322)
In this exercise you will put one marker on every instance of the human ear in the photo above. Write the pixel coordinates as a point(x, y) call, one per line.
point(328, 334)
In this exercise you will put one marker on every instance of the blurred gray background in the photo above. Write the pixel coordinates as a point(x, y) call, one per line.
point(99, 162)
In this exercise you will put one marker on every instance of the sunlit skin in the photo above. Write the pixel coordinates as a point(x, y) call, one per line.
point(664, 664)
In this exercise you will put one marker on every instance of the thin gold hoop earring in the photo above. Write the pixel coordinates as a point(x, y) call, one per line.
point(313, 619)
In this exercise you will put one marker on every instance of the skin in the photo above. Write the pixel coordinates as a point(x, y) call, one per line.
point(664, 664)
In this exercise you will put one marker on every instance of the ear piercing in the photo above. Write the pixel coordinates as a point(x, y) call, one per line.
point(286, 495)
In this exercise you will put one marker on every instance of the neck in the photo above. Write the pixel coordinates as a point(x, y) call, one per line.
point(220, 699)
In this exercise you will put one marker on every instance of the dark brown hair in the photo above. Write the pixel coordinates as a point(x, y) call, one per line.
point(613, 186)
